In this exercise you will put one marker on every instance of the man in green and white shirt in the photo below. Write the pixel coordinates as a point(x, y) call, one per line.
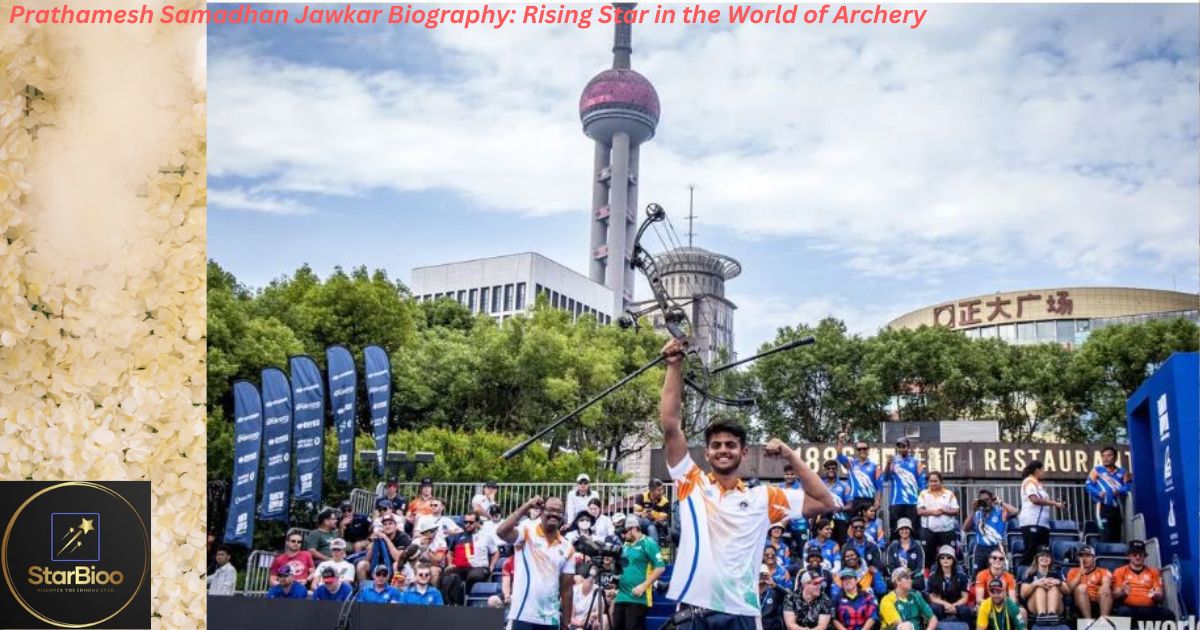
point(643, 565)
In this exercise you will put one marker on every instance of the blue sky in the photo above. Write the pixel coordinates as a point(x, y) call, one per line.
point(858, 172)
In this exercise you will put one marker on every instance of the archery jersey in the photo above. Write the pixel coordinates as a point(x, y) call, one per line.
point(863, 484)
point(721, 539)
point(536, 574)
point(990, 526)
point(1107, 487)
point(908, 480)
point(841, 496)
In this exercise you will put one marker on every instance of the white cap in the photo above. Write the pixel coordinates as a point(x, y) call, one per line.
point(617, 517)
point(426, 523)
point(902, 523)
point(337, 543)
point(583, 477)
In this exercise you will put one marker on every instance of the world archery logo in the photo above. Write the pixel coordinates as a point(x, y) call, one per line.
point(75, 537)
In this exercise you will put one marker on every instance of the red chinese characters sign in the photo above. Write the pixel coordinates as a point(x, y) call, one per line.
point(1001, 309)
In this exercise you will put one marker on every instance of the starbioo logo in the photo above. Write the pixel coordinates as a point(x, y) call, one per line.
point(75, 554)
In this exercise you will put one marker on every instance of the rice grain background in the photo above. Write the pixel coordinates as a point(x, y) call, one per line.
point(102, 263)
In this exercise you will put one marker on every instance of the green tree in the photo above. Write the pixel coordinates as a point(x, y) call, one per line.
point(930, 373)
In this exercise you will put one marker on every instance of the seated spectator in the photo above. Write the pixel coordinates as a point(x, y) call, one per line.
point(383, 508)
point(831, 554)
point(286, 587)
point(420, 592)
point(948, 588)
point(581, 527)
point(653, 510)
point(223, 580)
point(298, 561)
point(446, 525)
point(586, 607)
point(902, 609)
point(1042, 589)
point(602, 528)
point(472, 558)
point(1091, 585)
point(342, 569)
point(869, 578)
point(419, 505)
point(810, 607)
point(387, 546)
point(332, 588)
point(481, 504)
point(1138, 588)
point(867, 550)
point(775, 539)
point(771, 598)
point(856, 609)
point(353, 528)
point(905, 552)
point(578, 498)
point(779, 575)
point(989, 519)
point(998, 611)
point(391, 492)
point(318, 539)
point(428, 549)
point(380, 592)
point(814, 565)
point(876, 530)
point(995, 571)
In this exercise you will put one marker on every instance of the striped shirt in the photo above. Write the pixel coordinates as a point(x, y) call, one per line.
point(539, 563)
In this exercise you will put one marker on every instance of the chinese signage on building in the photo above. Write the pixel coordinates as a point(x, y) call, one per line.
point(1005, 307)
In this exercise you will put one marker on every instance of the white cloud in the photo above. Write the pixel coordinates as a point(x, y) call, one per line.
point(256, 201)
point(1064, 136)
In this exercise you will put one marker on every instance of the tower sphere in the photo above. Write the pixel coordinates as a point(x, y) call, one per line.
point(619, 100)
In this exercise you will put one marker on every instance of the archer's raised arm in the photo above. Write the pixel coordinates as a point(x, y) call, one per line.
point(670, 406)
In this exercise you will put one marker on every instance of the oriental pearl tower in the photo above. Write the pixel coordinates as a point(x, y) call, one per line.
point(619, 109)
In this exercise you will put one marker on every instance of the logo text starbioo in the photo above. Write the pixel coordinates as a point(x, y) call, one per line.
point(75, 554)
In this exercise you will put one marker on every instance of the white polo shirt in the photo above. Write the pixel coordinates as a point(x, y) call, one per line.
point(722, 534)
point(1032, 514)
point(930, 501)
point(536, 571)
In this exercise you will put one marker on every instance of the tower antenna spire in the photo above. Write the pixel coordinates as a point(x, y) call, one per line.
point(691, 213)
point(623, 39)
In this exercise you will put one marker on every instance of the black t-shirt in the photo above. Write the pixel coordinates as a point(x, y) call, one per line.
point(772, 601)
point(358, 529)
point(948, 588)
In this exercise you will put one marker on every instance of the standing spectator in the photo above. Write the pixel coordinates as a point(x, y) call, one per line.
point(578, 498)
point(1042, 589)
point(906, 553)
point(299, 562)
point(421, 592)
point(1108, 484)
point(388, 543)
point(391, 492)
point(343, 570)
point(286, 586)
point(446, 525)
point(810, 607)
point(318, 539)
point(989, 518)
point(856, 609)
point(949, 588)
point(902, 609)
point(643, 564)
point(332, 589)
point(995, 571)
point(481, 504)
point(771, 597)
point(779, 574)
point(545, 575)
point(907, 474)
point(867, 550)
point(223, 580)
point(866, 478)
point(797, 527)
point(653, 510)
point(380, 592)
point(602, 527)
point(830, 552)
point(419, 505)
point(353, 528)
point(938, 507)
point(875, 528)
point(842, 495)
point(1138, 588)
point(1090, 584)
point(473, 557)
point(999, 611)
point(1036, 507)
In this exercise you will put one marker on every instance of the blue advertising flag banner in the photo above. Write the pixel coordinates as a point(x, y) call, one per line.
point(308, 412)
point(379, 396)
point(247, 436)
point(277, 445)
point(343, 396)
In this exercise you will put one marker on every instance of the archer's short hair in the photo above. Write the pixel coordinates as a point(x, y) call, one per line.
point(725, 426)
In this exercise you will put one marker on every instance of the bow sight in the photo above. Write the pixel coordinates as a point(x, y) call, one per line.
point(676, 322)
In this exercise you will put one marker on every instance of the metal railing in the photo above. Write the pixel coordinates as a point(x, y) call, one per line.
point(258, 573)
point(614, 497)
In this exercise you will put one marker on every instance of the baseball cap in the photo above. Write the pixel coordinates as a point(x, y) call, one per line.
point(1042, 550)
point(813, 551)
point(946, 550)
point(618, 517)
point(387, 517)
point(775, 526)
point(996, 586)
point(1086, 550)
point(809, 576)
point(656, 483)
point(847, 573)
point(283, 570)
point(902, 523)
point(392, 483)
point(1137, 546)
point(337, 543)
point(381, 570)
point(491, 484)
point(900, 573)
point(902, 442)
point(582, 478)
point(495, 510)
point(764, 570)
point(328, 572)
point(346, 506)
point(427, 482)
point(426, 523)
point(381, 502)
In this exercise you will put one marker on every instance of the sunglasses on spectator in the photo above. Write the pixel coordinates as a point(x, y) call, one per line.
point(1000, 558)
point(422, 575)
